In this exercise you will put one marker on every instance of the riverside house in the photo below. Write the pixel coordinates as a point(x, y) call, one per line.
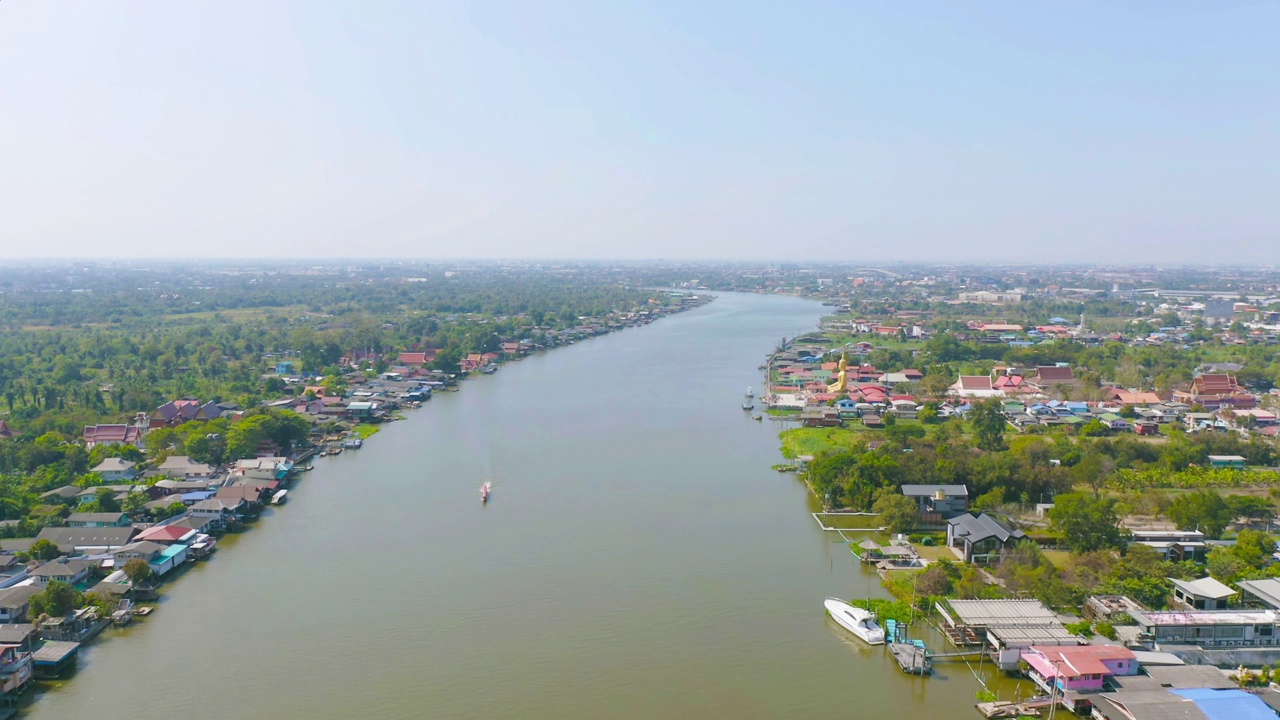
point(1079, 668)
point(979, 539)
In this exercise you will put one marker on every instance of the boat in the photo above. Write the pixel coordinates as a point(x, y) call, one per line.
point(749, 393)
point(856, 620)
point(484, 492)
point(757, 418)
point(747, 406)
point(280, 497)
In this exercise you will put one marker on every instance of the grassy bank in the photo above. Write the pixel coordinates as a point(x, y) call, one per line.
point(364, 430)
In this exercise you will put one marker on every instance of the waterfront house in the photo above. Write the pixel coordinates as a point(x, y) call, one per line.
point(98, 519)
point(167, 534)
point(261, 469)
point(116, 470)
point(225, 512)
point(16, 601)
point(161, 558)
point(1203, 594)
point(979, 539)
point(71, 572)
point(16, 672)
point(936, 503)
point(87, 540)
point(1079, 668)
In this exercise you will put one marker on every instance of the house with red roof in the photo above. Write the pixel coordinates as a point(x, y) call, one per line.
point(1047, 376)
point(1215, 390)
point(426, 357)
point(95, 435)
point(1130, 397)
point(167, 534)
point(1078, 668)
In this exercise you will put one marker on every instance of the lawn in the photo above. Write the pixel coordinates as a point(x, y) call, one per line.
point(365, 430)
point(815, 441)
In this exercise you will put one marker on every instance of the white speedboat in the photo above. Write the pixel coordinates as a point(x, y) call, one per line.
point(856, 620)
point(749, 393)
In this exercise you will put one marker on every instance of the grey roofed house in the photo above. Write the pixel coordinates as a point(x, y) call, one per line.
point(116, 466)
point(1266, 591)
point(181, 465)
point(97, 519)
point(66, 492)
point(191, 522)
point(935, 503)
point(181, 486)
point(15, 599)
point(980, 538)
point(17, 634)
point(82, 539)
point(1203, 594)
point(62, 569)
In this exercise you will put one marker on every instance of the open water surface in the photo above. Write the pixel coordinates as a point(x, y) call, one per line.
point(638, 559)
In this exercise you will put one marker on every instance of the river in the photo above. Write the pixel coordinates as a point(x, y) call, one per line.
point(639, 559)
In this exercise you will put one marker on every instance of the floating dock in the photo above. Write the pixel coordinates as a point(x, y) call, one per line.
point(912, 658)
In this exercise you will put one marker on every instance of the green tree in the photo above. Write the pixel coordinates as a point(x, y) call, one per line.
point(987, 420)
point(43, 549)
point(897, 511)
point(57, 599)
point(1203, 510)
point(138, 571)
point(1086, 523)
point(106, 501)
point(1094, 469)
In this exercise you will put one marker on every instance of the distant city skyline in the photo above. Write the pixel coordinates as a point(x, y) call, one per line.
point(1143, 133)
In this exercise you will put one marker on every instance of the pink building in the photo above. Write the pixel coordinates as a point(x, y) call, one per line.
point(1082, 668)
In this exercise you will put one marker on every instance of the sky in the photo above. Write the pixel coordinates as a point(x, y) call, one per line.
point(1065, 132)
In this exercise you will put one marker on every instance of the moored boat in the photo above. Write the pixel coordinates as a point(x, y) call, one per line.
point(856, 620)
point(750, 394)
point(747, 406)
point(280, 497)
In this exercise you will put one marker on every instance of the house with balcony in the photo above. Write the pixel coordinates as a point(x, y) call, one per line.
point(224, 512)
point(938, 503)
point(16, 672)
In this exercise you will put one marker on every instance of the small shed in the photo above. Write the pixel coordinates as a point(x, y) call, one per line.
point(1226, 461)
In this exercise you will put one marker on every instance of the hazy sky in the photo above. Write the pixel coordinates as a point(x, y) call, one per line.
point(1051, 131)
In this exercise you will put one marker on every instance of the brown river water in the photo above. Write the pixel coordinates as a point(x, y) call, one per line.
point(638, 559)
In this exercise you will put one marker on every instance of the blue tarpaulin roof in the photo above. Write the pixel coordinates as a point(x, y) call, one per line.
point(1228, 704)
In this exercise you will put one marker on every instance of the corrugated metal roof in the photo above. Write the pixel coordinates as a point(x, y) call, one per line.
point(1228, 704)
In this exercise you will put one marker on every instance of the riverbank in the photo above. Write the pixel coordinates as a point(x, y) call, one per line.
point(233, 500)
